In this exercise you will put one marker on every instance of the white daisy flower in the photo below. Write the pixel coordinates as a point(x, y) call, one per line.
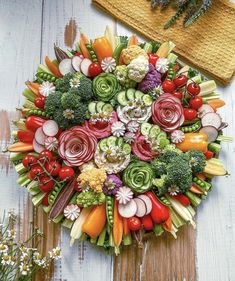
point(46, 88)
point(6, 260)
point(74, 83)
point(68, 114)
point(162, 65)
point(3, 248)
point(24, 269)
point(55, 254)
point(118, 129)
point(173, 190)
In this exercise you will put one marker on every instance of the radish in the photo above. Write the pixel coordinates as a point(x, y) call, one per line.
point(50, 128)
point(40, 137)
point(141, 207)
point(85, 66)
point(128, 210)
point(147, 202)
point(204, 109)
point(76, 62)
point(211, 119)
point(223, 126)
point(38, 147)
point(65, 66)
point(211, 132)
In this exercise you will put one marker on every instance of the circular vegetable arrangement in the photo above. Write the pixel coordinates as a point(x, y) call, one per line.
point(118, 137)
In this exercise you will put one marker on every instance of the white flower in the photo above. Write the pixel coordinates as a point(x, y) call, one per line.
point(74, 83)
point(68, 114)
point(118, 129)
point(3, 248)
point(138, 68)
point(51, 143)
point(129, 137)
point(124, 195)
point(7, 260)
point(55, 253)
point(10, 234)
point(108, 64)
point(133, 126)
point(177, 136)
point(38, 260)
point(46, 88)
point(173, 190)
point(158, 90)
point(162, 65)
point(24, 269)
point(72, 212)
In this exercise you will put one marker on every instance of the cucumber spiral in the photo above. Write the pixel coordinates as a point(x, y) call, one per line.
point(105, 86)
point(138, 176)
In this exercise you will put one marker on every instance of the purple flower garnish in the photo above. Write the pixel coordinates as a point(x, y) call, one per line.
point(111, 185)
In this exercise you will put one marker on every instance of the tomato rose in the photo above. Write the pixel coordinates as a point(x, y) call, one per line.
point(167, 112)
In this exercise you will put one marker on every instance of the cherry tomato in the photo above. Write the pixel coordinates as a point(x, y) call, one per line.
point(193, 89)
point(29, 160)
point(46, 184)
point(40, 102)
point(178, 95)
point(196, 102)
point(134, 223)
point(153, 58)
point(168, 86)
point(53, 168)
point(94, 69)
point(209, 154)
point(77, 187)
point(190, 113)
point(45, 156)
point(66, 172)
point(147, 222)
point(180, 81)
point(35, 172)
point(45, 200)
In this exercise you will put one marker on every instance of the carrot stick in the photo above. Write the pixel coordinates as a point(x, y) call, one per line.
point(133, 40)
point(201, 176)
point(52, 67)
point(216, 103)
point(34, 87)
point(117, 225)
point(20, 147)
point(195, 189)
point(83, 41)
point(167, 225)
point(126, 229)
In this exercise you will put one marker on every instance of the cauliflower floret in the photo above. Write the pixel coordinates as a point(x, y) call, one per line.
point(138, 68)
point(132, 52)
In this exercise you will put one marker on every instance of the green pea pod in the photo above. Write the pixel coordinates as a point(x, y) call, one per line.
point(92, 52)
point(54, 194)
point(192, 127)
point(46, 76)
point(109, 210)
point(117, 52)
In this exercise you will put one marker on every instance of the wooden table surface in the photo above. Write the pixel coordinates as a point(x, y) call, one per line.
point(28, 30)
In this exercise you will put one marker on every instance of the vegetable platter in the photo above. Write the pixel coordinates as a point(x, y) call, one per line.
point(118, 139)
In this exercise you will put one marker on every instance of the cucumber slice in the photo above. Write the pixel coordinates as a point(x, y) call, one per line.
point(126, 148)
point(145, 129)
point(107, 108)
point(162, 135)
point(154, 131)
point(130, 94)
point(99, 106)
point(92, 107)
point(163, 142)
point(111, 141)
point(121, 98)
point(147, 100)
point(120, 142)
point(103, 144)
point(138, 94)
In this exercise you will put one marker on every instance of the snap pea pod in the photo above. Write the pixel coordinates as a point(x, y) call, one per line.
point(46, 76)
point(192, 127)
point(109, 210)
point(171, 72)
point(117, 51)
point(164, 201)
point(92, 52)
point(37, 112)
point(54, 194)
point(202, 184)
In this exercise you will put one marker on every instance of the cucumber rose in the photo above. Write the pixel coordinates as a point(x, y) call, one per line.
point(105, 86)
point(138, 176)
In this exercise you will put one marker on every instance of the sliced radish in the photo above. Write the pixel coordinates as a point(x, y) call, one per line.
point(128, 210)
point(76, 62)
point(147, 202)
point(38, 147)
point(211, 132)
point(65, 66)
point(85, 66)
point(50, 128)
point(40, 136)
point(211, 119)
point(204, 109)
point(141, 207)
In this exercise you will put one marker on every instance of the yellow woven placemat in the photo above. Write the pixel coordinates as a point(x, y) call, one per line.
point(208, 44)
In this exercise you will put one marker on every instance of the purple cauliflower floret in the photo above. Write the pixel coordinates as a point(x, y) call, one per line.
point(151, 80)
point(112, 185)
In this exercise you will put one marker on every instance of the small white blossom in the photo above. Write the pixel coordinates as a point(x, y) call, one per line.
point(118, 129)
point(24, 269)
point(68, 114)
point(10, 234)
point(3, 248)
point(74, 83)
point(173, 190)
point(55, 253)
point(108, 64)
point(72, 212)
point(162, 65)
point(46, 88)
point(7, 260)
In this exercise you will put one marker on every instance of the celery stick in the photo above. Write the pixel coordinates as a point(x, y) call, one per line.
point(20, 124)
point(127, 240)
point(195, 200)
point(29, 95)
point(15, 156)
point(101, 238)
point(20, 168)
point(70, 55)
point(158, 230)
point(197, 79)
point(111, 242)
point(46, 209)
point(148, 47)
point(29, 104)
point(225, 138)
point(32, 187)
point(37, 199)
point(67, 223)
point(172, 58)
point(58, 218)
point(176, 219)
point(23, 180)
point(43, 68)
point(184, 70)
point(191, 210)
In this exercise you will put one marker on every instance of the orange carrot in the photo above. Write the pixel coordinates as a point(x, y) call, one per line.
point(195, 189)
point(34, 87)
point(167, 225)
point(201, 176)
point(83, 41)
point(216, 103)
point(126, 229)
point(20, 147)
point(52, 67)
point(95, 221)
point(102, 48)
point(117, 225)
point(133, 40)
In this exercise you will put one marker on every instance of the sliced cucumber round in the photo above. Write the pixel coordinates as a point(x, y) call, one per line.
point(145, 129)
point(92, 107)
point(121, 98)
point(154, 131)
point(111, 141)
point(163, 142)
point(99, 106)
point(138, 94)
point(147, 100)
point(162, 135)
point(126, 148)
point(103, 144)
point(130, 94)
point(107, 108)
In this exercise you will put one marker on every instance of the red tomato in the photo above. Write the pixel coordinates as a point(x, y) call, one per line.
point(45, 200)
point(196, 102)
point(40, 102)
point(46, 184)
point(178, 95)
point(45, 155)
point(53, 168)
point(32, 123)
point(134, 223)
point(35, 172)
point(209, 154)
point(180, 81)
point(66, 172)
point(147, 222)
point(168, 86)
point(94, 69)
point(190, 113)
point(153, 58)
point(28, 160)
point(193, 89)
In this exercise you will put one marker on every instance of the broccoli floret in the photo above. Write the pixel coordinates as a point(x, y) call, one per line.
point(80, 114)
point(168, 153)
point(70, 100)
point(52, 102)
point(197, 161)
point(90, 198)
point(63, 84)
point(85, 89)
point(158, 167)
point(161, 185)
point(63, 122)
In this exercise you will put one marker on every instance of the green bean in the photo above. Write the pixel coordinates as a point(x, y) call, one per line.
point(92, 53)
point(109, 210)
point(46, 76)
point(38, 112)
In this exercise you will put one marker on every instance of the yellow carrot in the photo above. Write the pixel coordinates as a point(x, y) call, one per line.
point(117, 225)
